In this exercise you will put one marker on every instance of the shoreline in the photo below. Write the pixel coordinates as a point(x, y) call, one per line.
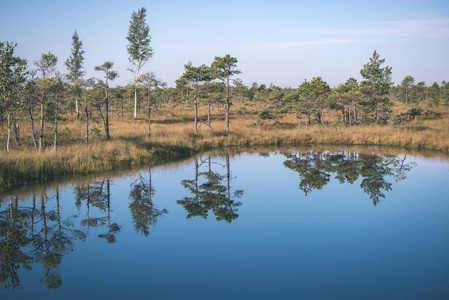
point(28, 167)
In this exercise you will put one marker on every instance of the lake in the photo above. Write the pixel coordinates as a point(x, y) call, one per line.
point(278, 223)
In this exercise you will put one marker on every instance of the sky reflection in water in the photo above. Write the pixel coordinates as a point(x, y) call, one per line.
point(287, 225)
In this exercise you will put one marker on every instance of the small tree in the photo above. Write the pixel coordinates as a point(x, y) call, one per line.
point(46, 65)
point(12, 73)
point(319, 91)
point(139, 46)
point(108, 75)
point(86, 85)
point(346, 94)
point(74, 65)
point(31, 97)
point(305, 103)
point(406, 86)
point(376, 84)
point(223, 68)
point(196, 76)
point(57, 89)
point(434, 93)
point(149, 81)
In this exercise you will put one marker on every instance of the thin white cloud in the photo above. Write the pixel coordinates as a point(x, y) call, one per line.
point(429, 28)
point(297, 46)
point(291, 46)
point(352, 34)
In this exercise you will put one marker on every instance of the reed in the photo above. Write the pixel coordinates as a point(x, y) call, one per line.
point(173, 138)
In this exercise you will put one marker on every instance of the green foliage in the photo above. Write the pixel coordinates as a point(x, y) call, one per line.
point(413, 113)
point(287, 109)
point(108, 73)
point(74, 63)
point(313, 96)
point(196, 77)
point(224, 67)
point(144, 212)
point(315, 170)
point(434, 94)
point(139, 39)
point(213, 195)
point(406, 87)
point(432, 114)
point(265, 115)
point(47, 64)
point(376, 86)
point(12, 73)
point(95, 132)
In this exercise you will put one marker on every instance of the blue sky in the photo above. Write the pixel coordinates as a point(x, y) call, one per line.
point(281, 42)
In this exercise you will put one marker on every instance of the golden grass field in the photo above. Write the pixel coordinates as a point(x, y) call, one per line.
point(173, 138)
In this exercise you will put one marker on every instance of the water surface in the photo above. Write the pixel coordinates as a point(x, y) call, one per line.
point(287, 224)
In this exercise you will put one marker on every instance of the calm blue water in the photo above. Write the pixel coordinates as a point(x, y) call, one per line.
point(296, 225)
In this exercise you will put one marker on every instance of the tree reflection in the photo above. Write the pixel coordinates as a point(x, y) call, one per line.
point(14, 238)
point(21, 244)
point(98, 195)
point(213, 194)
point(143, 211)
point(315, 169)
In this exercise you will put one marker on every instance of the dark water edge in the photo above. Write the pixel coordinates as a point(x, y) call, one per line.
point(16, 184)
point(17, 181)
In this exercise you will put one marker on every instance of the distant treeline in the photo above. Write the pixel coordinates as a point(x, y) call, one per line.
point(42, 96)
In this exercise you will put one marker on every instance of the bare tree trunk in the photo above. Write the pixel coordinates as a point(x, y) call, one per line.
point(406, 95)
point(44, 219)
point(32, 215)
point(135, 101)
point(56, 122)
point(149, 121)
point(196, 178)
point(208, 114)
point(9, 132)
point(228, 176)
point(149, 116)
point(41, 131)
point(33, 134)
point(87, 121)
point(352, 114)
point(135, 91)
point(149, 183)
point(77, 108)
point(227, 103)
point(106, 123)
point(16, 133)
point(196, 116)
point(58, 210)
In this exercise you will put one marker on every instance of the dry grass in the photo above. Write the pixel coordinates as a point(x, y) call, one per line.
point(173, 138)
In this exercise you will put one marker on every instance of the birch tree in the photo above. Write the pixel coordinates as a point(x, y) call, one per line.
point(139, 49)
